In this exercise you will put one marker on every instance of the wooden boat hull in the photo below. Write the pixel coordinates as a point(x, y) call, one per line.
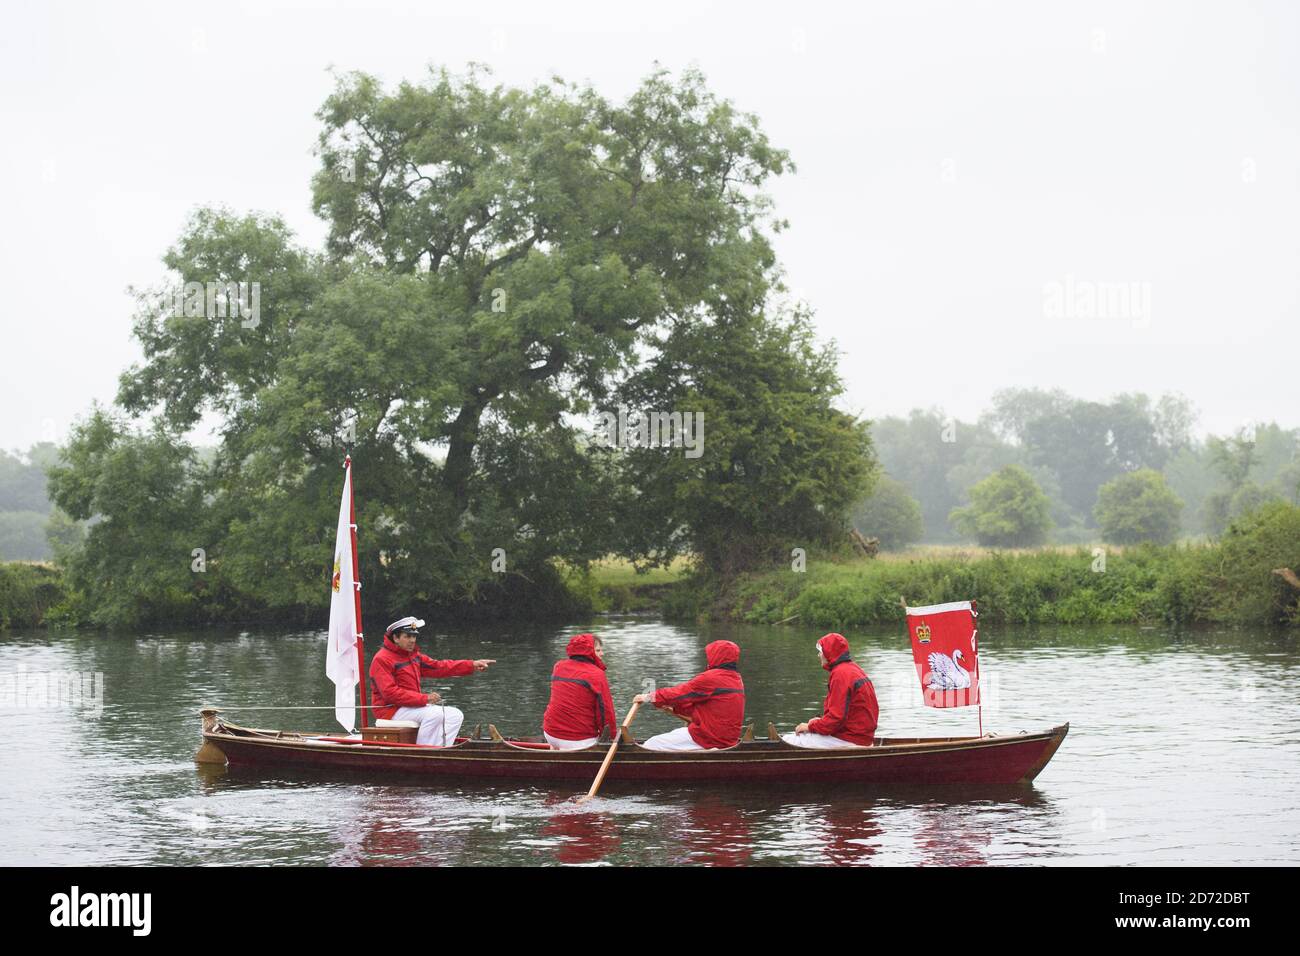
point(1013, 759)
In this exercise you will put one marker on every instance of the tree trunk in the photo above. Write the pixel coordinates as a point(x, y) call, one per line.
point(460, 451)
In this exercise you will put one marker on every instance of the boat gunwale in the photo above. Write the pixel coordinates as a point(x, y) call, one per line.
point(477, 751)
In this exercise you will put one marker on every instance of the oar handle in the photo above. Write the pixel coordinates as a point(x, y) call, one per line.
point(609, 755)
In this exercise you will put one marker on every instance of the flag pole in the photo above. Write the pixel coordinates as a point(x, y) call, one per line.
point(356, 590)
point(975, 646)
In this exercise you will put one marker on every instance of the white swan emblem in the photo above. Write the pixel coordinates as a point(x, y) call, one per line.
point(946, 673)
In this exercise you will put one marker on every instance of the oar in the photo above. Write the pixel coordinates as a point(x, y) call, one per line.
point(609, 756)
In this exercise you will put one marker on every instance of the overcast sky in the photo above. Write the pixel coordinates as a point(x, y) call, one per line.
point(968, 174)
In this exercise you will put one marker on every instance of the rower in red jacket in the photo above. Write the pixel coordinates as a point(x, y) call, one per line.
point(850, 711)
point(581, 705)
point(714, 701)
point(395, 675)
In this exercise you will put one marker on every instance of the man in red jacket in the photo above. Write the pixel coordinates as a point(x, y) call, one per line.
point(395, 675)
point(580, 705)
point(714, 701)
point(849, 712)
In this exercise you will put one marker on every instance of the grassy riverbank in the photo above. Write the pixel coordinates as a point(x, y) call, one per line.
point(1227, 581)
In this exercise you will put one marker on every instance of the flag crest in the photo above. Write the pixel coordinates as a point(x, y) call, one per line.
point(945, 649)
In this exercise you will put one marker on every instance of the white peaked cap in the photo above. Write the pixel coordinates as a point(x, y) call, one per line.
point(404, 622)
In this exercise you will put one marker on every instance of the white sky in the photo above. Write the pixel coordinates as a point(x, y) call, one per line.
point(953, 160)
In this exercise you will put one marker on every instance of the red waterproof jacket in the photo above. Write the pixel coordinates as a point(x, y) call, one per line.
point(850, 711)
point(395, 678)
point(714, 700)
point(581, 705)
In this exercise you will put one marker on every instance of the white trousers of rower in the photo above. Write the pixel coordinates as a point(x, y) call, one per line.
point(439, 724)
point(559, 743)
point(818, 741)
point(679, 739)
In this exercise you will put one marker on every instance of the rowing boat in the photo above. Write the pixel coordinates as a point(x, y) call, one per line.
point(991, 759)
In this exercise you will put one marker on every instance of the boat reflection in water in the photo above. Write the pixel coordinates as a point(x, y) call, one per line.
point(469, 824)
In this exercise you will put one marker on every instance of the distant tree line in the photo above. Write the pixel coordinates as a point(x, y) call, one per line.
point(1042, 466)
point(30, 528)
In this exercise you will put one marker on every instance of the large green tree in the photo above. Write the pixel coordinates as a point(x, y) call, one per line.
point(499, 260)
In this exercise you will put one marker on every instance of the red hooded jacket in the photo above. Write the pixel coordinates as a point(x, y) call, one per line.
point(395, 677)
point(581, 705)
point(850, 711)
point(714, 700)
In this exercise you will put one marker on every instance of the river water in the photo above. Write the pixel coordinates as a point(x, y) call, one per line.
point(1183, 749)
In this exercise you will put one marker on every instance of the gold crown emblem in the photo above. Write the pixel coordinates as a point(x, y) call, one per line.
point(923, 633)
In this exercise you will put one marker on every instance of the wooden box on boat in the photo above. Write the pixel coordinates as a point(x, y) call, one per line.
point(391, 732)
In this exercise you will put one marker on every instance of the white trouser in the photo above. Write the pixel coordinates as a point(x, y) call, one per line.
point(817, 741)
point(439, 724)
point(679, 739)
point(559, 743)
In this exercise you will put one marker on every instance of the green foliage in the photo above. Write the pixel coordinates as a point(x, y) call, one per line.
point(24, 504)
point(890, 514)
point(1233, 457)
point(1007, 510)
point(1142, 584)
point(1085, 444)
point(937, 459)
point(22, 483)
point(1192, 480)
point(1257, 465)
point(1239, 572)
point(64, 535)
point(1138, 507)
point(148, 496)
point(1222, 507)
point(780, 466)
point(1070, 447)
point(27, 593)
point(22, 536)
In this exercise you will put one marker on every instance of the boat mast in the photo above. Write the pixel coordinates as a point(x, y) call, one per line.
point(356, 590)
point(975, 646)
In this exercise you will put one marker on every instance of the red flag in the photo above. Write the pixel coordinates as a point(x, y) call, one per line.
point(945, 649)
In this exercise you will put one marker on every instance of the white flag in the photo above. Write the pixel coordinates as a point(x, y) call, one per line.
point(341, 652)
